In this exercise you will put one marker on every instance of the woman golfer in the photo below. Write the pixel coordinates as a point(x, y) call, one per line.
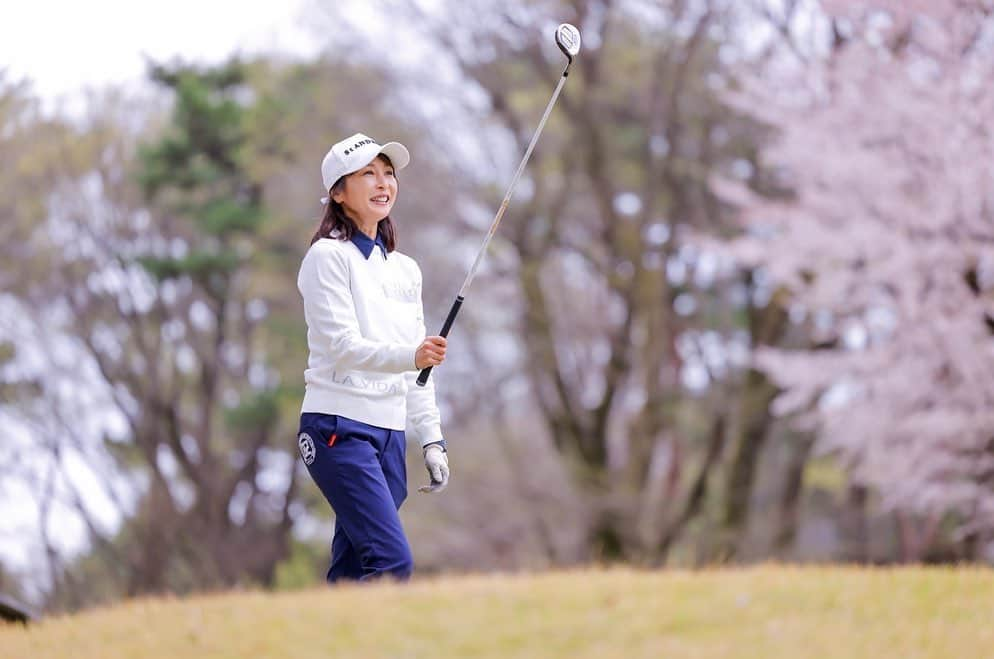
point(366, 335)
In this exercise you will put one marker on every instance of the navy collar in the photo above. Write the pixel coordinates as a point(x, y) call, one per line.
point(366, 244)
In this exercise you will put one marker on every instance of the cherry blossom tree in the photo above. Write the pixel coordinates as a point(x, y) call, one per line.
point(884, 237)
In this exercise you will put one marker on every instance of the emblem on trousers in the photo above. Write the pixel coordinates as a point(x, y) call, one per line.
point(307, 451)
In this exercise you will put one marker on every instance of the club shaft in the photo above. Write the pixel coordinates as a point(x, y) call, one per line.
point(510, 188)
point(423, 375)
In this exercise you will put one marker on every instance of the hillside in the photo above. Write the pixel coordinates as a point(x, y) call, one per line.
point(759, 612)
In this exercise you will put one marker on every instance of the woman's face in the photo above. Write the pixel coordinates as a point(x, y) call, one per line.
point(369, 194)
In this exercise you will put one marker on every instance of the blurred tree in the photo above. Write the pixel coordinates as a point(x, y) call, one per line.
point(146, 309)
point(32, 154)
point(888, 248)
point(160, 298)
point(211, 401)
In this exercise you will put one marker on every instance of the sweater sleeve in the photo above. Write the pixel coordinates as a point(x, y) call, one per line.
point(424, 422)
point(330, 312)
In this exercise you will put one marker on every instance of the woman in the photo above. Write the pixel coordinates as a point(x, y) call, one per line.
point(366, 335)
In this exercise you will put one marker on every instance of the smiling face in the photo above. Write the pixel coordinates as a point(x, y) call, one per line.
point(369, 193)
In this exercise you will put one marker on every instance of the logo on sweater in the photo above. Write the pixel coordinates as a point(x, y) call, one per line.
point(357, 382)
point(307, 451)
point(397, 291)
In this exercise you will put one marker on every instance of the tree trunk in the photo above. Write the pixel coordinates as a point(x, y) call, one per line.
point(607, 539)
point(788, 507)
point(767, 325)
point(696, 495)
point(854, 524)
point(917, 536)
point(757, 396)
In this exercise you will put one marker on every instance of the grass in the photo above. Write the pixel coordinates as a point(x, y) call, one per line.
point(767, 611)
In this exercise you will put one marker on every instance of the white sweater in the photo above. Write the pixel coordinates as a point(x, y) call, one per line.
point(365, 321)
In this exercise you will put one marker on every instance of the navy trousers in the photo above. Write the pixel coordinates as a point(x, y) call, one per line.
point(362, 472)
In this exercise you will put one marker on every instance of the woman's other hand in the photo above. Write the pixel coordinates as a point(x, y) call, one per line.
point(437, 465)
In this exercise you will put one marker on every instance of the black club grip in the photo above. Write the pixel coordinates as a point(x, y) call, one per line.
point(451, 318)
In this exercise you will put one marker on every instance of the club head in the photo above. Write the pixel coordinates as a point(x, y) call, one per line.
point(568, 40)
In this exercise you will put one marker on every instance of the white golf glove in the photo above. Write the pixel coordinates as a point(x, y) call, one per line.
point(438, 469)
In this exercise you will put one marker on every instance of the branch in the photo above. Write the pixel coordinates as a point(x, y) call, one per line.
point(781, 24)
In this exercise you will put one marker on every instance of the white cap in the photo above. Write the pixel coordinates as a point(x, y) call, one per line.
point(354, 153)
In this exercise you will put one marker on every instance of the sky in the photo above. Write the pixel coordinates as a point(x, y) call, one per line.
point(64, 46)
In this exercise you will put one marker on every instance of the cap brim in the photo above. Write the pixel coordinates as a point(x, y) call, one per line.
point(397, 153)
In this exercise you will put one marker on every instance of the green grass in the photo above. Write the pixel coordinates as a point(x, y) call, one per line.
point(768, 611)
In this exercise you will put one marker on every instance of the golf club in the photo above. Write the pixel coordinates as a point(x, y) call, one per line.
point(568, 40)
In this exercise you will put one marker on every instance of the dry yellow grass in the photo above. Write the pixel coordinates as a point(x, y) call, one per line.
point(764, 612)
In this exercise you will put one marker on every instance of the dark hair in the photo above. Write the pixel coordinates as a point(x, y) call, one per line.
point(337, 224)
